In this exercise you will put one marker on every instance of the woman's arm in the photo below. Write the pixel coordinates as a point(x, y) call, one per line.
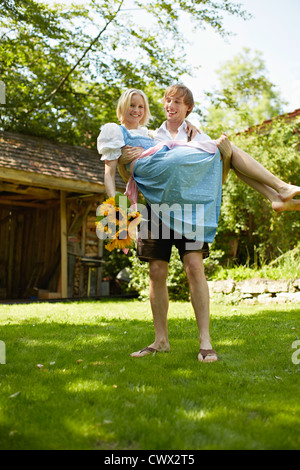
point(110, 177)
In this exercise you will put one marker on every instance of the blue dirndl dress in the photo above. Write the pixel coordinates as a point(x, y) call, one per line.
point(182, 185)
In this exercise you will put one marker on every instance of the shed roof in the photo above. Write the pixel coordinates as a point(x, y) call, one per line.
point(265, 124)
point(38, 161)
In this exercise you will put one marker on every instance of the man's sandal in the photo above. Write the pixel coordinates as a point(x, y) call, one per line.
point(207, 353)
point(146, 350)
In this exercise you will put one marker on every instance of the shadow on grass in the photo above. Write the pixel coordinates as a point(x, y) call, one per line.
point(90, 394)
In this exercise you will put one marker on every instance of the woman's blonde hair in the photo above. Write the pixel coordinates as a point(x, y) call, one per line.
point(182, 92)
point(124, 104)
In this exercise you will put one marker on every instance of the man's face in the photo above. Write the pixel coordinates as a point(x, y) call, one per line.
point(175, 108)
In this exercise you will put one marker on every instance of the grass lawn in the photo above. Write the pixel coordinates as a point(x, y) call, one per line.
point(90, 394)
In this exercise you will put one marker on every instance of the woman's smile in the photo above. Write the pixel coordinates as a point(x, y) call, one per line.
point(135, 112)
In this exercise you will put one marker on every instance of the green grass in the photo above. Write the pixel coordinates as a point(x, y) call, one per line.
point(249, 400)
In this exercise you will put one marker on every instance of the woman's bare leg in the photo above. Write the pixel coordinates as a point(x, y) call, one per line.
point(248, 166)
point(277, 203)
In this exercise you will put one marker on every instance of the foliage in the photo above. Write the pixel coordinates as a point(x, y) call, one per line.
point(72, 63)
point(246, 96)
point(286, 266)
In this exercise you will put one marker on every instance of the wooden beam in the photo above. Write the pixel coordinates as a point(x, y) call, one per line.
point(40, 193)
point(64, 245)
point(51, 182)
point(36, 205)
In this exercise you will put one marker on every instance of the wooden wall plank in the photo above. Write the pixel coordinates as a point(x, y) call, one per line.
point(64, 245)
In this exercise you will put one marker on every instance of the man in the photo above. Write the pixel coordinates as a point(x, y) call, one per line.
point(178, 104)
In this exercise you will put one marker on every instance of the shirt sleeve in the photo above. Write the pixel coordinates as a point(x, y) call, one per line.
point(110, 142)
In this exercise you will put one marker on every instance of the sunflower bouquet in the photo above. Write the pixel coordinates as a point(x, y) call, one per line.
point(117, 222)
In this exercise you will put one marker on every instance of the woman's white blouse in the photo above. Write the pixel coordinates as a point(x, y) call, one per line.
point(111, 140)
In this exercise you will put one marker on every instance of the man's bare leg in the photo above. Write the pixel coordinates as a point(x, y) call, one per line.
point(159, 300)
point(193, 264)
point(250, 167)
point(277, 204)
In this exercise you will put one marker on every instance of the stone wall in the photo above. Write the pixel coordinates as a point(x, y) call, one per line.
point(264, 291)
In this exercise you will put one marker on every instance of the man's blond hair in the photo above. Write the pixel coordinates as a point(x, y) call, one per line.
point(181, 91)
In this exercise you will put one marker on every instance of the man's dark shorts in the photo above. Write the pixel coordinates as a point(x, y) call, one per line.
point(153, 248)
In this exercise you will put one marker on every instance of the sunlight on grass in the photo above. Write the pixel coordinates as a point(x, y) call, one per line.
point(198, 415)
point(86, 385)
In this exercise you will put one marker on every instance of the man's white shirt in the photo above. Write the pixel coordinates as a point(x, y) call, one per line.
point(162, 134)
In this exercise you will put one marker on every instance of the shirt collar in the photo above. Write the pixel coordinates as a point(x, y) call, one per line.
point(164, 126)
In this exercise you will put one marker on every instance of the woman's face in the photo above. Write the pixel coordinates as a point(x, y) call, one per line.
point(135, 112)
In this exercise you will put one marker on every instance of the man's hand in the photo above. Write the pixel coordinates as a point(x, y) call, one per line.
point(224, 145)
point(130, 153)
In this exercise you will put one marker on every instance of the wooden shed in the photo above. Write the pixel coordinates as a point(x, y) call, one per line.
point(49, 194)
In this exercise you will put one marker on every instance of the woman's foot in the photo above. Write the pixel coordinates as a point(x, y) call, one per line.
point(291, 205)
point(288, 191)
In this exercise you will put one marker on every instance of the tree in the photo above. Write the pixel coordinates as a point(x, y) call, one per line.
point(65, 68)
point(246, 96)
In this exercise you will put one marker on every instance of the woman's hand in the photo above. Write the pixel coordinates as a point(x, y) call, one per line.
point(129, 154)
point(191, 130)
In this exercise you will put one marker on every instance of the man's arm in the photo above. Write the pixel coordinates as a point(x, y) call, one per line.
point(224, 145)
point(130, 153)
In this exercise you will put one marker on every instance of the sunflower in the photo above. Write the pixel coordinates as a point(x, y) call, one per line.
point(117, 243)
point(119, 224)
point(110, 201)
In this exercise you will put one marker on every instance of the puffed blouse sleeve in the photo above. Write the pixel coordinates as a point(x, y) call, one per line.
point(110, 142)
